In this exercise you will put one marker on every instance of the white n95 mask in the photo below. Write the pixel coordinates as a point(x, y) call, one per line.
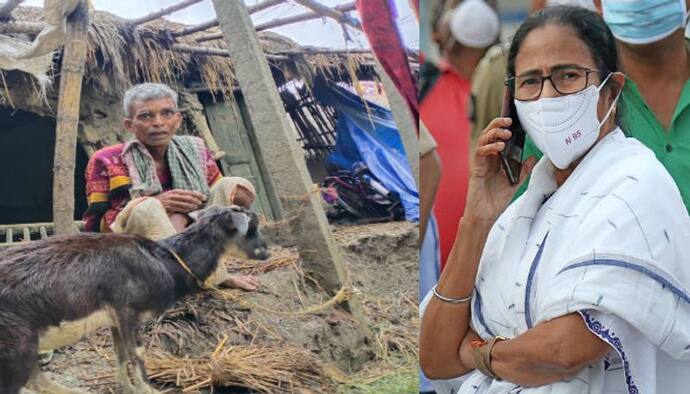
point(565, 127)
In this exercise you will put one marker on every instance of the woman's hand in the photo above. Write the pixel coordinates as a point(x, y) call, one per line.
point(489, 190)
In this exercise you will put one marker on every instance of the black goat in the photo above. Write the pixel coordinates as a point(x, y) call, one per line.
point(122, 277)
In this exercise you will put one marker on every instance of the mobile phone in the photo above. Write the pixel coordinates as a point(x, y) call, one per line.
point(511, 156)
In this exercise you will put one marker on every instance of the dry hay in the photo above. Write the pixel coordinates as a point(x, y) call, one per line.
point(120, 55)
point(273, 369)
point(280, 258)
point(391, 335)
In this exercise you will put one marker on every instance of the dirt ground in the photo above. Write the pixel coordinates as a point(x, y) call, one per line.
point(322, 350)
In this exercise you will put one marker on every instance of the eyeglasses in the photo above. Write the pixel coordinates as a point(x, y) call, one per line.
point(566, 80)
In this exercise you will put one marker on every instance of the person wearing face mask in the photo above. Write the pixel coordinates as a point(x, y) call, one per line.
point(655, 55)
point(473, 27)
point(582, 284)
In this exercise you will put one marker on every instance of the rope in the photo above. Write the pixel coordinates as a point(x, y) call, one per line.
point(344, 294)
point(188, 270)
point(297, 213)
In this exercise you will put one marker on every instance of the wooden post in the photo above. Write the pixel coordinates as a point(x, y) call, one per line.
point(71, 74)
point(278, 149)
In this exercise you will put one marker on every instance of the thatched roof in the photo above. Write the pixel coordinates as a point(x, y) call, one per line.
point(120, 55)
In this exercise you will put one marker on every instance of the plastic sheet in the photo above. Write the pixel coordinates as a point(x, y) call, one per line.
point(368, 133)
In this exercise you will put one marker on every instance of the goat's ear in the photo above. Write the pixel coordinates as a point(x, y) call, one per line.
point(241, 221)
point(194, 215)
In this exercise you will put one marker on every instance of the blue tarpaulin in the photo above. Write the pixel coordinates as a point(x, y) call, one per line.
point(369, 134)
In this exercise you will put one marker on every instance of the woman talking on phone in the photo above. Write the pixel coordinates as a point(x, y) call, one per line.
point(582, 285)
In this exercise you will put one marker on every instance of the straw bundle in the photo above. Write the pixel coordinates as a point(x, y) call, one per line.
point(262, 369)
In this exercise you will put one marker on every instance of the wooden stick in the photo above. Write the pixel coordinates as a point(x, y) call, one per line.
point(284, 21)
point(214, 22)
point(287, 20)
point(206, 51)
point(7, 7)
point(327, 51)
point(197, 28)
point(164, 11)
point(263, 5)
point(333, 13)
point(210, 37)
point(302, 17)
point(22, 27)
point(71, 75)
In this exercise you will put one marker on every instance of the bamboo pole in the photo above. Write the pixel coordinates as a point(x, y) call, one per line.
point(21, 27)
point(327, 51)
point(164, 11)
point(263, 5)
point(333, 13)
point(193, 29)
point(71, 75)
point(214, 22)
point(206, 51)
point(7, 7)
point(284, 21)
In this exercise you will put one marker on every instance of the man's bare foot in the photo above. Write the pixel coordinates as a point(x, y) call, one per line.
point(244, 282)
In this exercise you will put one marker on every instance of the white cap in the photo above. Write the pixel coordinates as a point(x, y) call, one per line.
point(474, 23)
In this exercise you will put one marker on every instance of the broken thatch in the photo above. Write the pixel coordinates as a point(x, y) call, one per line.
point(120, 55)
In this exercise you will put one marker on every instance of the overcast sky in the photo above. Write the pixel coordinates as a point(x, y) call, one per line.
point(316, 32)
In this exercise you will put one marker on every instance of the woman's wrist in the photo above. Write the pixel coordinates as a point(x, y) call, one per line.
point(475, 222)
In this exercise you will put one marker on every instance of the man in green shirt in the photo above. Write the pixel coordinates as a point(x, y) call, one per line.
point(656, 96)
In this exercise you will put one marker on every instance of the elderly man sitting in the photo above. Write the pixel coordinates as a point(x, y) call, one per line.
point(148, 185)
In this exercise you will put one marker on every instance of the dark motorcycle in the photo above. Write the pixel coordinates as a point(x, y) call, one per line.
point(357, 193)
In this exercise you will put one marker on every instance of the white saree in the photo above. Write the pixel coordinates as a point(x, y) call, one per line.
point(609, 244)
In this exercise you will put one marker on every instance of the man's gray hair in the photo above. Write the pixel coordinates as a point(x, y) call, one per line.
point(146, 92)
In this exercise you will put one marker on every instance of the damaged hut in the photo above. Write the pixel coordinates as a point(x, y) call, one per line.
point(119, 55)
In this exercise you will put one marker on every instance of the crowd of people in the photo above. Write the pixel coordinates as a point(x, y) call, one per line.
point(574, 279)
